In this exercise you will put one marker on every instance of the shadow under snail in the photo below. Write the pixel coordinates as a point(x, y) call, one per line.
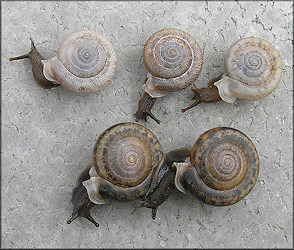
point(128, 164)
point(173, 60)
point(85, 63)
point(253, 71)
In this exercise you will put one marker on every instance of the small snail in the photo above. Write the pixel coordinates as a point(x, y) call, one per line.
point(223, 167)
point(173, 59)
point(125, 159)
point(253, 71)
point(86, 62)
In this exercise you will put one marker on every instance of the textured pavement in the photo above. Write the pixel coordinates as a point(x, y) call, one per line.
point(48, 135)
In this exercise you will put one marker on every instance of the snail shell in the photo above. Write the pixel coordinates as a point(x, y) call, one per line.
point(86, 62)
point(254, 69)
point(173, 59)
point(223, 168)
point(125, 157)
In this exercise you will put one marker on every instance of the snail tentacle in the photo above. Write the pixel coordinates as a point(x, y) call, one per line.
point(163, 181)
point(37, 66)
point(253, 71)
point(173, 60)
point(126, 157)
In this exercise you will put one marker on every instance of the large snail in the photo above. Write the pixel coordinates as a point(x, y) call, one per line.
point(128, 164)
point(253, 71)
point(223, 167)
point(173, 59)
point(85, 63)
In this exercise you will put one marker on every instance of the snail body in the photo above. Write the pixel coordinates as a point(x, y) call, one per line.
point(163, 182)
point(37, 66)
point(125, 159)
point(173, 59)
point(85, 63)
point(253, 71)
point(80, 199)
point(223, 167)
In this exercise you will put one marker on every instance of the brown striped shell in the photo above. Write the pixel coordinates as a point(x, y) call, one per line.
point(126, 154)
point(227, 163)
point(174, 60)
point(223, 168)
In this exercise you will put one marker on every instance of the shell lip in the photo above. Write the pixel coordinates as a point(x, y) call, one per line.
point(92, 186)
point(180, 167)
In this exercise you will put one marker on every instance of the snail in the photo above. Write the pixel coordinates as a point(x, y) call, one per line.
point(128, 164)
point(222, 169)
point(163, 183)
point(253, 71)
point(173, 60)
point(125, 159)
point(86, 62)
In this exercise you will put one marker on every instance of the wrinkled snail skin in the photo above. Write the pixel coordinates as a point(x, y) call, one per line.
point(86, 62)
point(81, 202)
point(125, 158)
point(209, 94)
point(37, 67)
point(173, 60)
point(163, 182)
point(223, 167)
point(144, 108)
point(253, 71)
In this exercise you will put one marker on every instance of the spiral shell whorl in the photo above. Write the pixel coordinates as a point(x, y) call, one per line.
point(126, 154)
point(86, 62)
point(227, 166)
point(174, 60)
point(254, 69)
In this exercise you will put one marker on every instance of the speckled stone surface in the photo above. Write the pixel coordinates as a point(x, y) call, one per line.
point(48, 135)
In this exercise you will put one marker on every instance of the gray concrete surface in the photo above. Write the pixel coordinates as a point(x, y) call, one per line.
point(48, 135)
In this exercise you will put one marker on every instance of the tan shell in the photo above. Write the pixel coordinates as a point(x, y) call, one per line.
point(224, 167)
point(254, 69)
point(125, 157)
point(86, 62)
point(173, 59)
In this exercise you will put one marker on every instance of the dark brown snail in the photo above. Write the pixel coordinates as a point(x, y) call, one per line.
point(85, 63)
point(125, 159)
point(163, 182)
point(253, 71)
point(128, 164)
point(173, 59)
point(223, 167)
